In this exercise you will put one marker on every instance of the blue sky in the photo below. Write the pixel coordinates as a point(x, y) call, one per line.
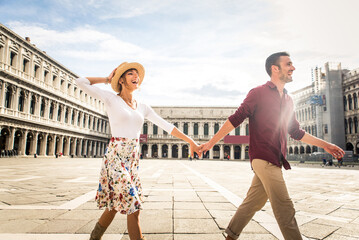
point(195, 52)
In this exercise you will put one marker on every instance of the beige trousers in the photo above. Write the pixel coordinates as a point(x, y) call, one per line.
point(267, 183)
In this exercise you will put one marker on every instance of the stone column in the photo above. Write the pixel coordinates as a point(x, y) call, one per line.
point(60, 145)
point(149, 152)
point(169, 151)
point(33, 144)
point(211, 154)
point(56, 111)
point(52, 145)
point(232, 152)
point(79, 148)
point(10, 140)
point(27, 101)
point(2, 90)
point(37, 105)
point(47, 108)
point(159, 150)
point(243, 151)
point(63, 114)
point(221, 152)
point(179, 151)
point(22, 143)
point(190, 129)
point(15, 100)
point(201, 129)
point(211, 129)
point(43, 144)
point(67, 146)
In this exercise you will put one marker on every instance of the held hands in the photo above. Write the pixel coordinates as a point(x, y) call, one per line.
point(195, 148)
point(205, 147)
point(334, 150)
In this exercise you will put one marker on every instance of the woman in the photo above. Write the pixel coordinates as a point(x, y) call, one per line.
point(120, 187)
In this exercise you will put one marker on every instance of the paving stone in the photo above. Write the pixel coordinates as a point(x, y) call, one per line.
point(29, 214)
point(20, 226)
point(256, 236)
point(60, 226)
point(156, 221)
point(228, 214)
point(195, 226)
point(336, 236)
point(158, 198)
point(157, 205)
point(191, 214)
point(118, 226)
point(317, 230)
point(152, 237)
point(345, 213)
point(81, 214)
point(213, 199)
point(219, 206)
point(188, 205)
point(352, 231)
point(198, 236)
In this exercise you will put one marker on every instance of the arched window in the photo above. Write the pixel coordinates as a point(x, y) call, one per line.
point(51, 112)
point(8, 97)
point(59, 112)
point(237, 131)
point(32, 105)
point(216, 128)
point(195, 129)
point(67, 116)
point(72, 117)
point(155, 129)
point(355, 125)
point(185, 128)
point(346, 126)
point(145, 128)
point(42, 108)
point(350, 125)
point(345, 103)
point(247, 130)
point(350, 102)
point(355, 100)
point(206, 129)
point(79, 118)
point(21, 101)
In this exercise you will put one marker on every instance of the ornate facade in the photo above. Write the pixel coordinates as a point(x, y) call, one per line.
point(42, 111)
point(200, 123)
point(320, 109)
point(351, 109)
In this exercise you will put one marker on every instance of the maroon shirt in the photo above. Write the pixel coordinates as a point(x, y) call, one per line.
point(271, 118)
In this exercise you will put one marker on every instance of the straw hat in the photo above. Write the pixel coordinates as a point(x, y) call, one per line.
point(123, 67)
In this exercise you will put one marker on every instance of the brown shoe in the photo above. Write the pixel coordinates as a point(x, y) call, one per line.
point(97, 232)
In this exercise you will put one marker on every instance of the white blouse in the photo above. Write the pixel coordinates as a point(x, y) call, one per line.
point(124, 121)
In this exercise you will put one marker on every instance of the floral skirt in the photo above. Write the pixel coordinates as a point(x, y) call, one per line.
point(120, 186)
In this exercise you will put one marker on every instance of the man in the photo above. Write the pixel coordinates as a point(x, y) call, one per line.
point(271, 117)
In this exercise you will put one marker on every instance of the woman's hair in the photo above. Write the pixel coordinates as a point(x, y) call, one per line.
point(123, 77)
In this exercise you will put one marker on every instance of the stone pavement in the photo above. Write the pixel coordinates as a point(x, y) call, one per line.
point(49, 198)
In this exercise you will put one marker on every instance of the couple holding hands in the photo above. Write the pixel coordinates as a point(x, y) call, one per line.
point(271, 118)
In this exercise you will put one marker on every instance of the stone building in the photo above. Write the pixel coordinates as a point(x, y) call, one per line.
point(320, 110)
point(351, 109)
point(42, 111)
point(200, 123)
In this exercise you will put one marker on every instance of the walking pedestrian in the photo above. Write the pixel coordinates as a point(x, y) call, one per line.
point(120, 187)
point(271, 117)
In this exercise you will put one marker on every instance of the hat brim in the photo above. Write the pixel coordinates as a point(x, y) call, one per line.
point(123, 67)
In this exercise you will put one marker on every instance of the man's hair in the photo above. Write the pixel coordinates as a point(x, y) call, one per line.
point(273, 60)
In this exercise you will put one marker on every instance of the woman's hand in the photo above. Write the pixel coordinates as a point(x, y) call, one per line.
point(111, 76)
point(195, 148)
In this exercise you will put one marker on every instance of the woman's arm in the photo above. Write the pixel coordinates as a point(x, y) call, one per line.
point(193, 146)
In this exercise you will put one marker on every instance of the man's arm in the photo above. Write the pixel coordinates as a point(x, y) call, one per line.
point(333, 149)
point(223, 131)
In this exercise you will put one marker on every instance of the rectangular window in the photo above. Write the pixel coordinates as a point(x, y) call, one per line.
point(36, 71)
point(13, 59)
point(25, 65)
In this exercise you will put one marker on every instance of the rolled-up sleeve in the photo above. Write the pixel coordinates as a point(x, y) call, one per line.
point(294, 129)
point(246, 109)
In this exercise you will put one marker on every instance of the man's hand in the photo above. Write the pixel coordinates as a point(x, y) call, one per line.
point(195, 148)
point(334, 150)
point(205, 147)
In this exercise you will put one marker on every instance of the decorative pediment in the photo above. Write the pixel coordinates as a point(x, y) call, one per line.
point(14, 46)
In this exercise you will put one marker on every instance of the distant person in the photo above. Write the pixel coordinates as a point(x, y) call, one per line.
point(120, 187)
point(271, 117)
